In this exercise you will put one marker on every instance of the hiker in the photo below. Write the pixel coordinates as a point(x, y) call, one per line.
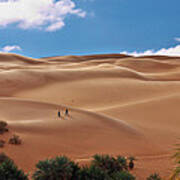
point(131, 165)
point(59, 114)
point(131, 162)
point(67, 112)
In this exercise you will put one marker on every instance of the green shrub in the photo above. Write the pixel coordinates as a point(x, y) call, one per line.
point(9, 171)
point(60, 168)
point(123, 175)
point(123, 162)
point(15, 140)
point(110, 164)
point(154, 177)
point(103, 167)
point(93, 173)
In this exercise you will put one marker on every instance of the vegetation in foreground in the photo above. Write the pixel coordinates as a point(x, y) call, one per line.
point(9, 171)
point(102, 167)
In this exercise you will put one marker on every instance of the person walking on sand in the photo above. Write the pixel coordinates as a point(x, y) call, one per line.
point(59, 114)
point(67, 112)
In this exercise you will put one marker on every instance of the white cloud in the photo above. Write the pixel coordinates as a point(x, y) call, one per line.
point(55, 26)
point(44, 14)
point(172, 51)
point(177, 39)
point(7, 49)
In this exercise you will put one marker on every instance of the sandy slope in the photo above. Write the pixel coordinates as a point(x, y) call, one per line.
point(118, 105)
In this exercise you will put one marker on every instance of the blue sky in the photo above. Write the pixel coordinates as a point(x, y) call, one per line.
point(63, 27)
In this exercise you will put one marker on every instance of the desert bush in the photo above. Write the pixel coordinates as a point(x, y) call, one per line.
point(3, 124)
point(103, 167)
point(60, 168)
point(123, 162)
point(96, 173)
point(9, 171)
point(154, 176)
point(110, 164)
point(2, 142)
point(3, 127)
point(123, 175)
point(15, 140)
point(92, 172)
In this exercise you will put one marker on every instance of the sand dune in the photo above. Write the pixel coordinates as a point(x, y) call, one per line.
point(118, 105)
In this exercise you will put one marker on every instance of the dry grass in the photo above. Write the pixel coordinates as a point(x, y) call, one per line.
point(15, 140)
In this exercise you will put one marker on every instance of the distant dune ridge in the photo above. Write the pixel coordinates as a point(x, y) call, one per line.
point(118, 105)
